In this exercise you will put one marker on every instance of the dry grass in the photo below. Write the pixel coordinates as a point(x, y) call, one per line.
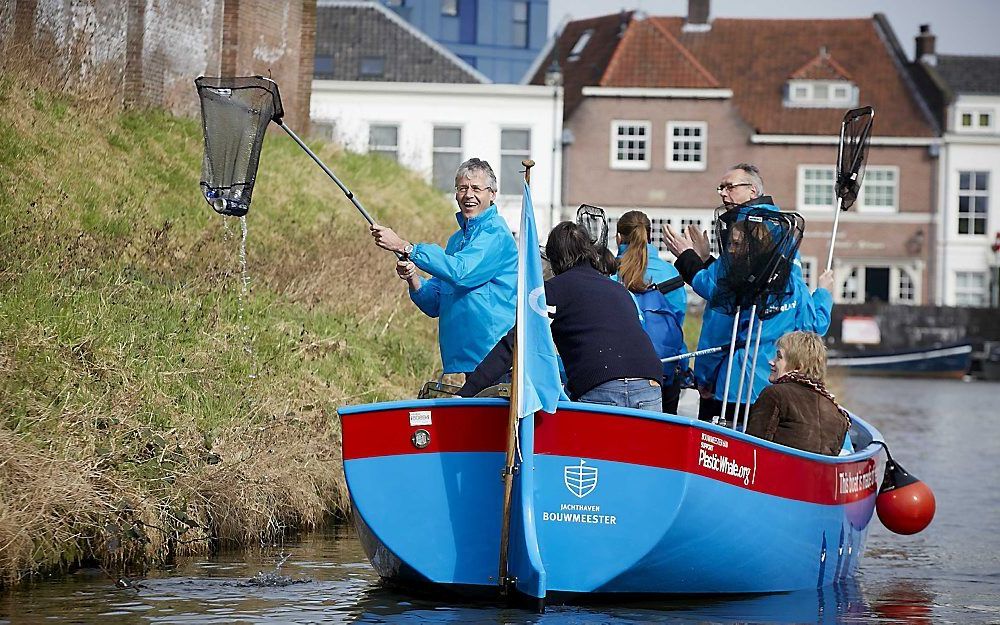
point(147, 407)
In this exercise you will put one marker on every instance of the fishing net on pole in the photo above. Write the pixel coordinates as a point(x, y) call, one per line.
point(856, 133)
point(595, 222)
point(758, 251)
point(235, 113)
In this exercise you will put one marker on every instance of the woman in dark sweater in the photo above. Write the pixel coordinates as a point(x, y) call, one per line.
point(595, 327)
point(797, 410)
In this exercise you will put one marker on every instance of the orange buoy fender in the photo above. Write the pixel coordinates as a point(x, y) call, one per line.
point(905, 505)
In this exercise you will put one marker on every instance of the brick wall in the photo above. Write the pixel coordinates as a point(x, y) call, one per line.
point(148, 53)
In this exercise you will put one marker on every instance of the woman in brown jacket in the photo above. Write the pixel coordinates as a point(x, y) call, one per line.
point(797, 410)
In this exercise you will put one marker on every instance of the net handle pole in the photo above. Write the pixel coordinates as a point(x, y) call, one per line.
point(329, 173)
point(833, 236)
point(700, 352)
point(746, 359)
point(753, 372)
point(729, 366)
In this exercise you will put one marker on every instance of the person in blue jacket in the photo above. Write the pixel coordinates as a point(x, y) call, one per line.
point(473, 285)
point(742, 189)
point(639, 268)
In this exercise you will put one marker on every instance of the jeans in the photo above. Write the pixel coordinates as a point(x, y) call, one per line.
point(627, 393)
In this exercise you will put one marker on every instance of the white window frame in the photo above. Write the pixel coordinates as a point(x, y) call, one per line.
point(382, 149)
point(802, 94)
point(616, 126)
point(524, 154)
point(863, 206)
point(702, 151)
point(809, 276)
point(974, 116)
point(800, 184)
point(896, 273)
point(972, 193)
point(962, 293)
point(844, 274)
point(436, 149)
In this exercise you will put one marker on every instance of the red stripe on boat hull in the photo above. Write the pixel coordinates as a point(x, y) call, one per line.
point(621, 438)
point(389, 433)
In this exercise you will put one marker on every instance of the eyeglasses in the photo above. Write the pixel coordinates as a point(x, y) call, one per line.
point(463, 188)
point(728, 188)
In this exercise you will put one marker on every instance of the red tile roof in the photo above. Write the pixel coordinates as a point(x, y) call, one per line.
point(650, 56)
point(823, 67)
point(754, 58)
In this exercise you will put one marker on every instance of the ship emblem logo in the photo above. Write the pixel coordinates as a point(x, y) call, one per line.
point(579, 479)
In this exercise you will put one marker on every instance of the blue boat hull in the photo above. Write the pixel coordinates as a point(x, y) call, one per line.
point(944, 362)
point(606, 501)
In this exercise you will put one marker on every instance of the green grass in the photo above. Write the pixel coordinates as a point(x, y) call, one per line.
point(124, 333)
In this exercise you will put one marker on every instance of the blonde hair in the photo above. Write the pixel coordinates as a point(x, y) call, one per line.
point(634, 228)
point(804, 352)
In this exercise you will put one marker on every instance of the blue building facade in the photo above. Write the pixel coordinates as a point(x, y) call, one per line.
point(500, 38)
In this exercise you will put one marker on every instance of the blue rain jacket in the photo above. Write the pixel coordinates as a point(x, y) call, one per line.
point(659, 270)
point(473, 288)
point(801, 310)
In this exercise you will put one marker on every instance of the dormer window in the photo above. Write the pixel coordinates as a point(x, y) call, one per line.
point(820, 94)
point(975, 120)
point(581, 43)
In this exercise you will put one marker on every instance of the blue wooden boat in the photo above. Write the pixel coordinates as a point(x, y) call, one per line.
point(606, 501)
point(949, 361)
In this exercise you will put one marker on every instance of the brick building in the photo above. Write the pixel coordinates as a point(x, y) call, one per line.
point(657, 108)
point(148, 53)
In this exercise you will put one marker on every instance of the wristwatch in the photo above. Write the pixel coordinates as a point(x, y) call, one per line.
point(407, 250)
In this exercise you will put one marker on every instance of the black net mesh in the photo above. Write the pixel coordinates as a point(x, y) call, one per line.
point(235, 113)
point(595, 222)
point(857, 133)
point(758, 251)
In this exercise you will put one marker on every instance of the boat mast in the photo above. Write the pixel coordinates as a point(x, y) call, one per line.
point(505, 581)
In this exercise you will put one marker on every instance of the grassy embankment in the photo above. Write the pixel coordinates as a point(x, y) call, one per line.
point(146, 409)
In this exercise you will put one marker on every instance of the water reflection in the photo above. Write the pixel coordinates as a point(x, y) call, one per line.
point(909, 601)
point(834, 604)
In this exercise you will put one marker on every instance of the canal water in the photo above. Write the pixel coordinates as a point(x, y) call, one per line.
point(945, 432)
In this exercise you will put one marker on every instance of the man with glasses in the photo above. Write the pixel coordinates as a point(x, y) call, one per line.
point(473, 284)
point(741, 188)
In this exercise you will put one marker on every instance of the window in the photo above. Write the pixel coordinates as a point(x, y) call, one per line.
point(850, 288)
point(372, 66)
point(686, 145)
point(879, 190)
point(581, 43)
point(906, 290)
point(515, 146)
point(630, 144)
point(808, 263)
point(323, 66)
point(970, 120)
point(973, 201)
point(816, 186)
point(970, 288)
point(384, 139)
point(820, 94)
point(447, 157)
point(449, 7)
point(519, 33)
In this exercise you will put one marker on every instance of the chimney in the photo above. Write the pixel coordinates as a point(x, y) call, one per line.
point(925, 45)
point(697, 17)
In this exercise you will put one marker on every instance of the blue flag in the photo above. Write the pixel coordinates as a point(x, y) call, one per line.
point(539, 386)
